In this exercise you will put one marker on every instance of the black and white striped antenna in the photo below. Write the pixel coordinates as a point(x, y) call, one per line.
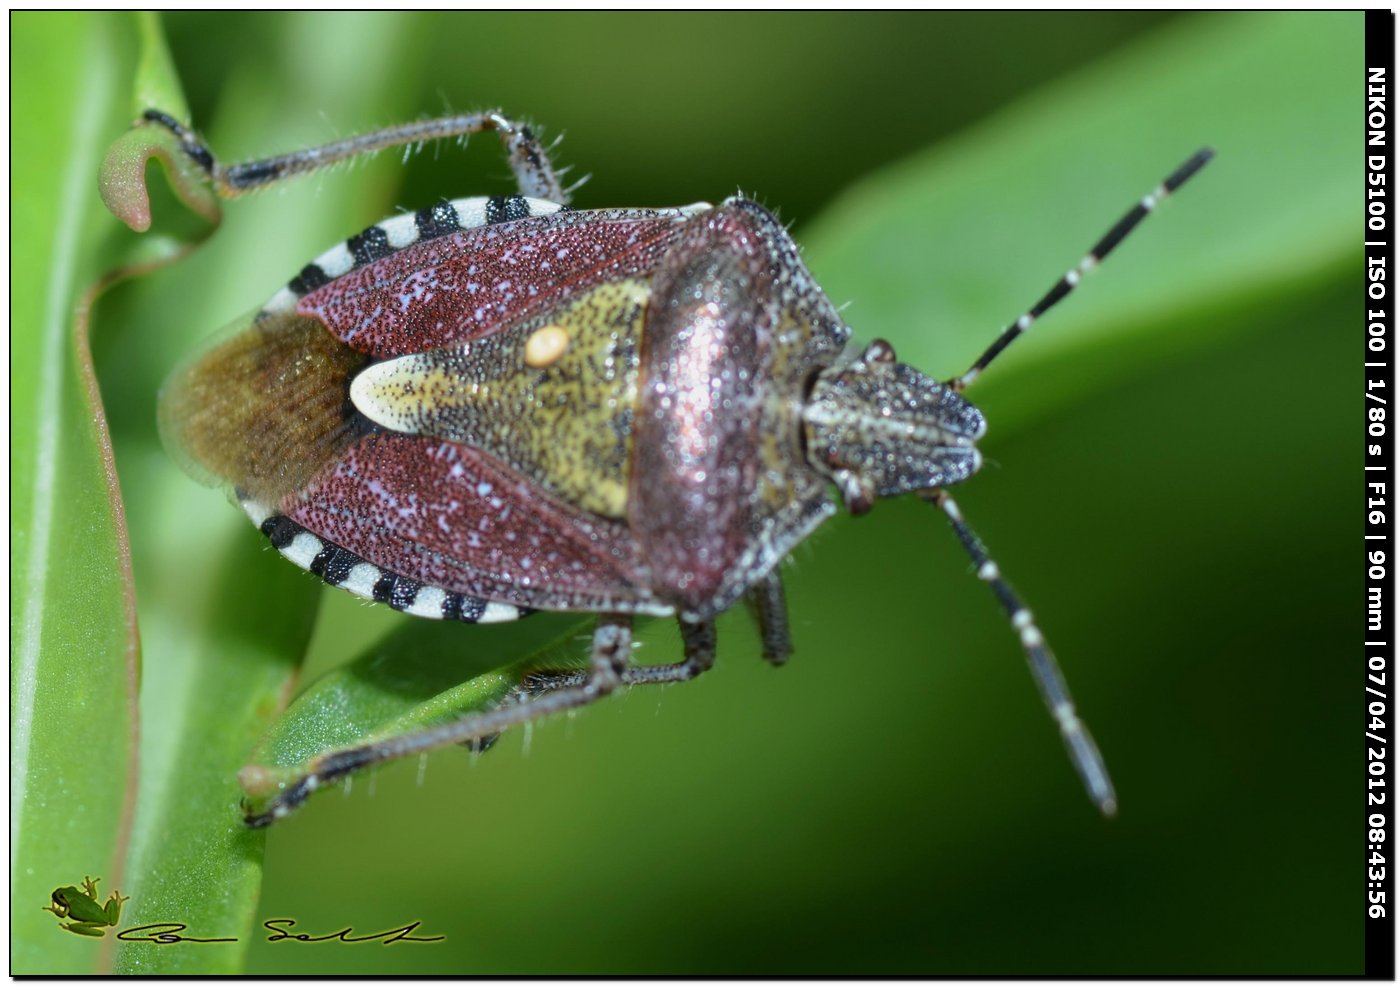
point(1083, 751)
point(1092, 259)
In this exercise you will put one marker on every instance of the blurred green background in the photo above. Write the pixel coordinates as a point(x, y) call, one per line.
point(1166, 486)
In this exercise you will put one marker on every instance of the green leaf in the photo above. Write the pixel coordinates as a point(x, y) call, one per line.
point(73, 640)
point(157, 85)
point(220, 649)
point(941, 251)
point(79, 807)
point(414, 679)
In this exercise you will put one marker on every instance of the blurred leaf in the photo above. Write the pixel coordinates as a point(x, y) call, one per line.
point(193, 861)
point(73, 643)
point(156, 85)
point(79, 807)
point(220, 651)
point(943, 250)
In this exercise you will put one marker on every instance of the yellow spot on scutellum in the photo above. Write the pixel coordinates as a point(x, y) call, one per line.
point(545, 345)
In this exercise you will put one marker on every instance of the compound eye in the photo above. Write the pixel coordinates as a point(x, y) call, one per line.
point(879, 351)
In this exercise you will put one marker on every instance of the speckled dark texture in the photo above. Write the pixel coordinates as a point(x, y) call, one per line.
point(475, 282)
point(720, 488)
point(452, 517)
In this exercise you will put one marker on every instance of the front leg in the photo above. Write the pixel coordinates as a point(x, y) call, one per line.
point(534, 174)
point(612, 650)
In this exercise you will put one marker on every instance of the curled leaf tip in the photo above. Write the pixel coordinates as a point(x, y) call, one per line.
point(122, 179)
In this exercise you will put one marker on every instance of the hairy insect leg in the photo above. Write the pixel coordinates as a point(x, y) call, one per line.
point(612, 650)
point(769, 605)
point(1082, 750)
point(529, 159)
point(1092, 259)
point(698, 640)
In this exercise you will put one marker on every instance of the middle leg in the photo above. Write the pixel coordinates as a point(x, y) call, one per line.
point(698, 640)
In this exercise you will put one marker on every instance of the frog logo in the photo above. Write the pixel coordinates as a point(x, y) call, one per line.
point(89, 918)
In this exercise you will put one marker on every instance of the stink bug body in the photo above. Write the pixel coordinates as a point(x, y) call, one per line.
point(499, 405)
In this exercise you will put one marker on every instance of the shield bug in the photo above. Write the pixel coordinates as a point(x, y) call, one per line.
point(499, 405)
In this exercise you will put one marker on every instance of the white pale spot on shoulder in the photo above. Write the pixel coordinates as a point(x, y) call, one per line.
point(361, 580)
point(428, 602)
point(401, 231)
point(545, 345)
point(693, 208)
point(283, 301)
point(303, 549)
point(336, 261)
point(499, 613)
point(257, 512)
